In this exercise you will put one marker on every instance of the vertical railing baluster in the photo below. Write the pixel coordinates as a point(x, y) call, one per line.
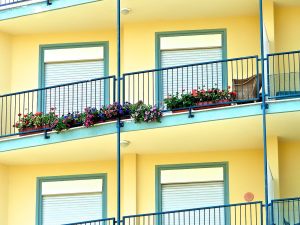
point(154, 78)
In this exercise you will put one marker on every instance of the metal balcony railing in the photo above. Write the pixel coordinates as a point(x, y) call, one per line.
point(63, 99)
point(281, 212)
point(236, 214)
point(284, 74)
point(109, 221)
point(4, 3)
point(154, 87)
point(285, 211)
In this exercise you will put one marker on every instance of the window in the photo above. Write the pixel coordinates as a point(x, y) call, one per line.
point(190, 186)
point(62, 64)
point(183, 48)
point(63, 200)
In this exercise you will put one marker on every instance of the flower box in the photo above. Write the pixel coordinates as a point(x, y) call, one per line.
point(33, 130)
point(179, 110)
point(211, 104)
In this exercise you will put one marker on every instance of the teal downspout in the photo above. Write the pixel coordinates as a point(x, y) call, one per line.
point(119, 119)
point(264, 109)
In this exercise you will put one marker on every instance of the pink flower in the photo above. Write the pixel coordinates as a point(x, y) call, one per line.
point(194, 93)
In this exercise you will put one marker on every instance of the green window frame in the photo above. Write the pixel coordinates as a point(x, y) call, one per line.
point(41, 76)
point(159, 35)
point(159, 168)
point(40, 180)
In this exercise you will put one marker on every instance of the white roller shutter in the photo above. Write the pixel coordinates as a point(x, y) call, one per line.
point(191, 78)
point(74, 97)
point(194, 195)
point(63, 209)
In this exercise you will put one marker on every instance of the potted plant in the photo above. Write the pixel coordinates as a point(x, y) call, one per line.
point(181, 103)
point(141, 112)
point(35, 123)
point(115, 111)
point(173, 102)
point(68, 121)
point(213, 98)
point(125, 110)
point(49, 119)
point(91, 116)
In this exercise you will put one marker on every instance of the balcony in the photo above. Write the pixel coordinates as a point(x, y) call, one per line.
point(191, 89)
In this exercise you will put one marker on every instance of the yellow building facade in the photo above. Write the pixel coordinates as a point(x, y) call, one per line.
point(227, 137)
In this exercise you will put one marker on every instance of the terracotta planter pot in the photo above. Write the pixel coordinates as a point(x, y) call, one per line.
point(33, 130)
point(210, 104)
point(179, 110)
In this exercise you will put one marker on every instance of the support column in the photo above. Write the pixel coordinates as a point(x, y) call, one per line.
point(273, 159)
point(119, 119)
point(3, 195)
point(264, 109)
point(129, 184)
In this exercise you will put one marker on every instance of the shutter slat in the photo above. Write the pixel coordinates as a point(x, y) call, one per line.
point(64, 209)
point(193, 195)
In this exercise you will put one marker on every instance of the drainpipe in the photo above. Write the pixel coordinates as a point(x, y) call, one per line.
point(119, 119)
point(264, 108)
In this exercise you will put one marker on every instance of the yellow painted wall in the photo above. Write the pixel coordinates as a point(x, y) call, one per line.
point(269, 17)
point(5, 63)
point(3, 194)
point(139, 38)
point(138, 44)
point(287, 28)
point(25, 53)
point(22, 189)
point(245, 173)
point(289, 165)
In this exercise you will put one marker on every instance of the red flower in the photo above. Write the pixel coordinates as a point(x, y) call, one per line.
point(19, 114)
point(25, 116)
point(229, 87)
point(38, 113)
point(195, 93)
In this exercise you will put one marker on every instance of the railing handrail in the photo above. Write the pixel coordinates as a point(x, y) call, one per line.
point(92, 221)
point(194, 209)
point(189, 65)
point(285, 199)
point(57, 86)
point(283, 53)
